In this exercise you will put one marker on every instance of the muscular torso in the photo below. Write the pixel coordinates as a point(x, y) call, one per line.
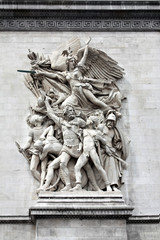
point(71, 131)
point(88, 139)
point(36, 132)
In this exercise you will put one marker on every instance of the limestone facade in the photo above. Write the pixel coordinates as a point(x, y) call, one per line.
point(138, 54)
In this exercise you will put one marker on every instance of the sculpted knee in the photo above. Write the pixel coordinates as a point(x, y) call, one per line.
point(33, 170)
point(51, 167)
point(43, 168)
point(63, 165)
point(99, 168)
point(77, 168)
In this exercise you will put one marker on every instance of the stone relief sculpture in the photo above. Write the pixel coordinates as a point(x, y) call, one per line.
point(73, 142)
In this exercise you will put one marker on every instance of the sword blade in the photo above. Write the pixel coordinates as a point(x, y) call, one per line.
point(27, 71)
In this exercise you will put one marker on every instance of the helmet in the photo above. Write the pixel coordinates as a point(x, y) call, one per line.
point(112, 117)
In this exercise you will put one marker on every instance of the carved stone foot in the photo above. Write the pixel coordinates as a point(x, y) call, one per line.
point(66, 188)
point(99, 190)
point(78, 187)
point(40, 189)
point(96, 188)
point(108, 188)
point(115, 189)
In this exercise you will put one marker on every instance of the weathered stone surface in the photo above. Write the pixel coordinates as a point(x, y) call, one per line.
point(138, 53)
point(75, 229)
point(143, 231)
point(17, 231)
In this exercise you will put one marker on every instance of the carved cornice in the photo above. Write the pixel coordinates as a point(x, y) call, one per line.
point(79, 4)
point(144, 219)
point(80, 15)
point(139, 219)
point(81, 213)
point(79, 25)
point(15, 219)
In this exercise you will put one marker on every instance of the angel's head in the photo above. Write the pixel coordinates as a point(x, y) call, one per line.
point(71, 63)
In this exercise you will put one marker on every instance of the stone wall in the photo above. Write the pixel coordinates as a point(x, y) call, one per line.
point(17, 232)
point(138, 54)
point(143, 232)
point(69, 229)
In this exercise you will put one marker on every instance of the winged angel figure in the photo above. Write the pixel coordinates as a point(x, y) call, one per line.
point(83, 79)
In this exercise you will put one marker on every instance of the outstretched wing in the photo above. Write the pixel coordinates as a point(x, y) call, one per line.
point(30, 84)
point(58, 60)
point(99, 65)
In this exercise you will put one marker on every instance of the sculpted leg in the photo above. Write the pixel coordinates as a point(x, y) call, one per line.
point(96, 161)
point(33, 167)
point(54, 148)
point(89, 95)
point(65, 157)
point(82, 160)
point(45, 152)
point(91, 176)
point(50, 174)
point(43, 170)
point(115, 189)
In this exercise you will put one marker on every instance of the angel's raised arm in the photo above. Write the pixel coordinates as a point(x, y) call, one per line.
point(85, 54)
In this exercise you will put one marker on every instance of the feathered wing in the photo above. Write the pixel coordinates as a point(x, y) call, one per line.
point(100, 66)
point(30, 84)
point(58, 61)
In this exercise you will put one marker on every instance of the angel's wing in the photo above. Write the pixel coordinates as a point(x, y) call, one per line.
point(99, 65)
point(58, 61)
point(31, 85)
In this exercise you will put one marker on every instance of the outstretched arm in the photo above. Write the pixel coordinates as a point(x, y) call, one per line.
point(51, 115)
point(85, 54)
point(101, 139)
point(46, 74)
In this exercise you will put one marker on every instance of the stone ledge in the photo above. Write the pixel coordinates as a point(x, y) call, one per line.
point(81, 205)
point(144, 219)
point(139, 219)
point(80, 4)
point(15, 219)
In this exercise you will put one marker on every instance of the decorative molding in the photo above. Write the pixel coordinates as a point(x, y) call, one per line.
point(81, 213)
point(139, 219)
point(79, 25)
point(81, 5)
point(80, 15)
point(144, 219)
point(63, 3)
point(15, 219)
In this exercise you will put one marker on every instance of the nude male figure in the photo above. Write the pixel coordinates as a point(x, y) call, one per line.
point(72, 147)
point(89, 152)
point(34, 135)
